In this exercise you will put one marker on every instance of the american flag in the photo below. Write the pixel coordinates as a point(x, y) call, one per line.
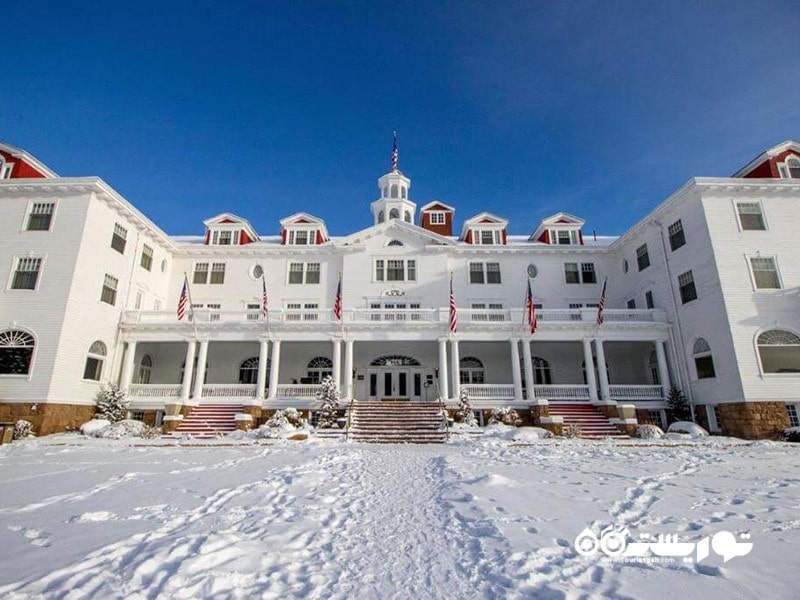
point(602, 304)
point(337, 302)
point(264, 298)
point(184, 299)
point(395, 154)
point(530, 308)
point(453, 318)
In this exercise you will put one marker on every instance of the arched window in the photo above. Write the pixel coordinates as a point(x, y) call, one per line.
point(779, 351)
point(407, 217)
point(471, 370)
point(403, 191)
point(394, 191)
point(395, 361)
point(248, 371)
point(16, 352)
point(145, 369)
point(541, 371)
point(793, 164)
point(94, 361)
point(703, 360)
point(319, 368)
point(394, 243)
point(386, 191)
point(381, 217)
point(652, 368)
point(394, 214)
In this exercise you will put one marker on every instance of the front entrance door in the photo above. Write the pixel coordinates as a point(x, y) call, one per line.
point(403, 384)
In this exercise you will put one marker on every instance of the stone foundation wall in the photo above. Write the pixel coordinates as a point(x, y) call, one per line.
point(48, 418)
point(754, 420)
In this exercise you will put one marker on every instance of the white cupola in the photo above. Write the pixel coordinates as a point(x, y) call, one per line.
point(394, 202)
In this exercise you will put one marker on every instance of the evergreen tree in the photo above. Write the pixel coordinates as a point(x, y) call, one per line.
point(329, 399)
point(465, 413)
point(679, 405)
point(112, 403)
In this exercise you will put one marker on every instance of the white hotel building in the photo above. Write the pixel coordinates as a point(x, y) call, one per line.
point(702, 295)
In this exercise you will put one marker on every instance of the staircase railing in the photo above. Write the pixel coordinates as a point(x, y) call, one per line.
point(445, 418)
point(349, 418)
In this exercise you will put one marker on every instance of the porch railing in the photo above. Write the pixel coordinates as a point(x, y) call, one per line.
point(469, 317)
point(154, 390)
point(490, 391)
point(302, 391)
point(636, 392)
point(574, 393)
point(229, 390)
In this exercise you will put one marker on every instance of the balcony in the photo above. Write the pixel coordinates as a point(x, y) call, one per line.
point(468, 319)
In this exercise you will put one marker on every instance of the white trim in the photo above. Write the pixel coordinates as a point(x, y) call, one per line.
point(760, 203)
point(15, 262)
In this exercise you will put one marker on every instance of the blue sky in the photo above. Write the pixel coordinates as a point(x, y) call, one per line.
point(523, 109)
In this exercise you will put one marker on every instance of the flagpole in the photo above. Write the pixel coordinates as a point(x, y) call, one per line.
point(265, 309)
point(341, 305)
point(191, 304)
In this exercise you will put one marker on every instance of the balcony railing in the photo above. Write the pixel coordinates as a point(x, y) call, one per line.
point(636, 392)
point(469, 318)
point(229, 390)
point(490, 391)
point(154, 390)
point(302, 391)
point(570, 393)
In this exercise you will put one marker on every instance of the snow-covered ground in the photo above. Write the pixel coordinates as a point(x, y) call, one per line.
point(110, 519)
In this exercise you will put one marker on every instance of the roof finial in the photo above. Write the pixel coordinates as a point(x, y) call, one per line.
point(395, 154)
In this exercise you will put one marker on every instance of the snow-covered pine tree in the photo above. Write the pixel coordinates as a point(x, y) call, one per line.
point(679, 405)
point(112, 403)
point(465, 413)
point(329, 399)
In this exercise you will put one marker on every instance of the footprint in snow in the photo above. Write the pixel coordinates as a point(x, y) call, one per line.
point(36, 537)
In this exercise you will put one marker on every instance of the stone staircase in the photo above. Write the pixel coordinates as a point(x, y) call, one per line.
point(206, 421)
point(397, 422)
point(592, 422)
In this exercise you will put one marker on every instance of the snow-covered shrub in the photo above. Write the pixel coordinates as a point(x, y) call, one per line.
point(285, 420)
point(647, 431)
point(506, 416)
point(94, 427)
point(294, 418)
point(112, 403)
point(151, 433)
point(687, 427)
point(531, 434)
point(571, 430)
point(329, 399)
point(23, 429)
point(678, 404)
point(465, 413)
point(792, 434)
point(126, 428)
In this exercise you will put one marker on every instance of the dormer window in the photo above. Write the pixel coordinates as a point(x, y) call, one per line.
point(793, 166)
point(302, 237)
point(437, 218)
point(487, 237)
point(565, 237)
point(224, 237)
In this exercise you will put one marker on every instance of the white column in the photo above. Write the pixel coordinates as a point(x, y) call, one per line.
point(261, 376)
point(348, 369)
point(443, 383)
point(663, 371)
point(515, 371)
point(455, 368)
point(588, 361)
point(602, 373)
point(199, 380)
point(274, 368)
point(337, 362)
point(188, 367)
point(127, 366)
point(528, 362)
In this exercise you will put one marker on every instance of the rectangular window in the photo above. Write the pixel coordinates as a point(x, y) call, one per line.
point(213, 311)
point(631, 303)
point(394, 270)
point(302, 311)
point(217, 273)
point(93, 369)
point(492, 272)
point(794, 420)
point(587, 273)
point(411, 270)
point(298, 238)
point(751, 217)
point(253, 312)
point(312, 272)
point(648, 300)
point(642, 257)
point(676, 236)
point(147, 258)
point(437, 218)
point(476, 273)
point(765, 273)
point(118, 238)
point(200, 273)
point(109, 293)
point(564, 238)
point(705, 366)
point(41, 216)
point(486, 237)
point(27, 274)
point(379, 274)
point(687, 288)
point(225, 238)
point(571, 273)
point(295, 272)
